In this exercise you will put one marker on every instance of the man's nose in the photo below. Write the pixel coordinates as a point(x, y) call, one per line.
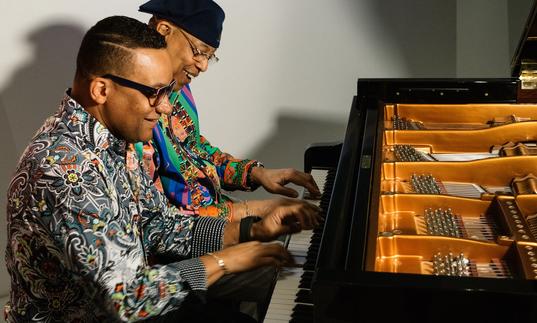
point(202, 64)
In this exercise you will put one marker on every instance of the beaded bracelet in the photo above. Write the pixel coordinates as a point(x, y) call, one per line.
point(220, 262)
point(251, 185)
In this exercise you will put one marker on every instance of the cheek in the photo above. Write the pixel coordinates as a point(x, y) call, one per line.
point(182, 56)
point(131, 115)
point(176, 55)
point(117, 112)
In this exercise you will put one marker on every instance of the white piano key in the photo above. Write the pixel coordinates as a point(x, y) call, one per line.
point(283, 298)
point(277, 318)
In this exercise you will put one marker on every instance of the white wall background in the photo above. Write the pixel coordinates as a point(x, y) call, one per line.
point(287, 73)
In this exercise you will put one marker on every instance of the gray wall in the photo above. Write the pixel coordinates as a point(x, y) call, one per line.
point(287, 73)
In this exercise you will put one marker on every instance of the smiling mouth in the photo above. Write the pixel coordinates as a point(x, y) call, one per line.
point(152, 120)
point(189, 75)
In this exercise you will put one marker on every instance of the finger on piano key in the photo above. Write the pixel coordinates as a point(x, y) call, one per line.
point(319, 175)
point(283, 306)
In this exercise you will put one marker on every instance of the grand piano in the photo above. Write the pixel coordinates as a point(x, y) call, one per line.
point(430, 205)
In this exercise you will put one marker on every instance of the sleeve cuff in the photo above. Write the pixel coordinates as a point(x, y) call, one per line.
point(193, 271)
point(208, 236)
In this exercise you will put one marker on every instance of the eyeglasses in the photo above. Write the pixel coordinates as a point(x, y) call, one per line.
point(154, 96)
point(211, 59)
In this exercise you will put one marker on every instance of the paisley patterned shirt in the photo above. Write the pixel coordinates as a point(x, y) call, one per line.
point(82, 222)
point(187, 168)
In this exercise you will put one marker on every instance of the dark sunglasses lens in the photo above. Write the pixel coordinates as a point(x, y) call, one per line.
point(164, 93)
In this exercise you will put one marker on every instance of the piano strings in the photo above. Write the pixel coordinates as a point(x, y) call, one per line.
point(444, 223)
point(428, 184)
point(404, 123)
point(459, 265)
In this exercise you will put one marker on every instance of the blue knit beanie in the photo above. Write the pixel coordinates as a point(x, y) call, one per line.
point(202, 19)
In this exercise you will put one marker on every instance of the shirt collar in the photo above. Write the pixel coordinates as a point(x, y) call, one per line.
point(92, 131)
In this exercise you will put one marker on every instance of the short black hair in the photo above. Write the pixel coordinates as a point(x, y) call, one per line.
point(105, 47)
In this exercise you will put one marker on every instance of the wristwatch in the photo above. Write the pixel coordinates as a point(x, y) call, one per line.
point(245, 226)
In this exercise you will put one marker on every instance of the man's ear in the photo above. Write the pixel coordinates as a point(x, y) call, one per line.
point(99, 89)
point(164, 28)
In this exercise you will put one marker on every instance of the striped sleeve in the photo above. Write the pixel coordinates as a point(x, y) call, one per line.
point(208, 236)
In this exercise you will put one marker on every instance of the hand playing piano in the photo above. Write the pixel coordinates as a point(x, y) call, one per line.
point(286, 218)
point(244, 257)
point(250, 255)
point(259, 208)
point(274, 181)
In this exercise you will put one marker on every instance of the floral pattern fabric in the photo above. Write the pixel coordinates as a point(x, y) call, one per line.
point(82, 221)
point(187, 168)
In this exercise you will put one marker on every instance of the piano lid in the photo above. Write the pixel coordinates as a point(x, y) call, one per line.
point(525, 59)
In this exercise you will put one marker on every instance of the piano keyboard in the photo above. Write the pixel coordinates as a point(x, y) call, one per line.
point(291, 301)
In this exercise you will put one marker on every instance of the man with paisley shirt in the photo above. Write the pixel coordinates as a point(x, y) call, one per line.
point(84, 218)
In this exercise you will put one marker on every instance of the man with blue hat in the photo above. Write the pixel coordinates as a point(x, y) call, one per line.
point(190, 171)
point(184, 165)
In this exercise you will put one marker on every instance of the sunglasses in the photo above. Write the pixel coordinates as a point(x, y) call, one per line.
point(154, 96)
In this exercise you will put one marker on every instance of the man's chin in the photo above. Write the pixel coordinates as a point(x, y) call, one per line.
point(182, 81)
point(145, 137)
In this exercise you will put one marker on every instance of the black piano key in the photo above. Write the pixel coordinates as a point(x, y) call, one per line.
point(301, 320)
point(306, 277)
point(306, 274)
point(304, 296)
point(304, 285)
point(309, 266)
point(310, 260)
point(302, 313)
point(301, 316)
